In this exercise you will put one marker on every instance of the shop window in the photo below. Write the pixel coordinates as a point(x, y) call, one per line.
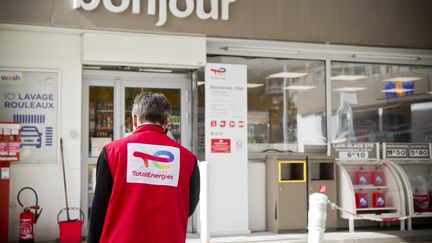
point(286, 102)
point(385, 103)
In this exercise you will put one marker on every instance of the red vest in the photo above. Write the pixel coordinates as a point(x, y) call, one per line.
point(150, 195)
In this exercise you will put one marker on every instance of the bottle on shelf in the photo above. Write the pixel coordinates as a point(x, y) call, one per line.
point(109, 122)
point(377, 178)
point(378, 200)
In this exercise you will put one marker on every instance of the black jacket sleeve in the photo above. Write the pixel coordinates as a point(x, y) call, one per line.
point(104, 184)
point(194, 189)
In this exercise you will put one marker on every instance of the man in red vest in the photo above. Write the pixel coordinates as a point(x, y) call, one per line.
point(147, 185)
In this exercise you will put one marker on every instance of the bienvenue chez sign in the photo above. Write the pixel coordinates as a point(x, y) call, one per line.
point(164, 7)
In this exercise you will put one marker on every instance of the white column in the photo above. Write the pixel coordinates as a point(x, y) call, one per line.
point(205, 236)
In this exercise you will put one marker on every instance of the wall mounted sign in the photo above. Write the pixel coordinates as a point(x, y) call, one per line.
point(226, 146)
point(163, 7)
point(226, 110)
point(31, 99)
point(406, 151)
point(355, 151)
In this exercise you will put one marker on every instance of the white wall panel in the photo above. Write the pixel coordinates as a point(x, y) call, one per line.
point(38, 50)
point(257, 195)
point(144, 50)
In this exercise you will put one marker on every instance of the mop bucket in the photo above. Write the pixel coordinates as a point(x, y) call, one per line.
point(70, 230)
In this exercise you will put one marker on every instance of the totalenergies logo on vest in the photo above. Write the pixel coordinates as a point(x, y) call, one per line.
point(153, 164)
point(159, 159)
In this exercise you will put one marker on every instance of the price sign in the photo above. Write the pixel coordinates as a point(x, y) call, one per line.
point(407, 151)
point(355, 151)
point(396, 153)
point(419, 153)
point(354, 155)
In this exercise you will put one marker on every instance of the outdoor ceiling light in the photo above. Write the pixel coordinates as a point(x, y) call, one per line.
point(260, 49)
point(383, 56)
point(402, 79)
point(299, 87)
point(92, 67)
point(254, 85)
point(155, 70)
point(421, 106)
point(396, 90)
point(348, 77)
point(350, 89)
point(249, 85)
point(286, 75)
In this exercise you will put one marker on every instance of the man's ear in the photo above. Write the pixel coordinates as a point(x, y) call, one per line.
point(167, 122)
point(134, 121)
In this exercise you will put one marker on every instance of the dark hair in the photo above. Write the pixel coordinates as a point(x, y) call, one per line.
point(152, 107)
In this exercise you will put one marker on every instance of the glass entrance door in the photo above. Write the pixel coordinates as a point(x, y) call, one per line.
point(108, 98)
point(177, 89)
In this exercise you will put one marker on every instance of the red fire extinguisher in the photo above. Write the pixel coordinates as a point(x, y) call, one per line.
point(28, 218)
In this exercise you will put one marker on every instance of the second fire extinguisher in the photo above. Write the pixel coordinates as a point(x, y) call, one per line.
point(28, 218)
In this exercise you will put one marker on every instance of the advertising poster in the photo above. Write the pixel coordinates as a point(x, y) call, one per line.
point(31, 99)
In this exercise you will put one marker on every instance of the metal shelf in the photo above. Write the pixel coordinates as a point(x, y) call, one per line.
point(422, 215)
point(369, 187)
point(376, 209)
point(415, 162)
point(357, 163)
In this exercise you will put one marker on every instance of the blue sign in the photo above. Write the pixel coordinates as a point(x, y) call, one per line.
point(31, 99)
point(30, 136)
point(398, 89)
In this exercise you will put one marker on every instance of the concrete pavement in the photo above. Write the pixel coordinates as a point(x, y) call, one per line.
point(361, 236)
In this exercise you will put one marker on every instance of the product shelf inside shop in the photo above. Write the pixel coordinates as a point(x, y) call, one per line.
point(359, 163)
point(415, 162)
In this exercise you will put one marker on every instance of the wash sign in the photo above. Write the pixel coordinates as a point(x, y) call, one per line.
point(31, 98)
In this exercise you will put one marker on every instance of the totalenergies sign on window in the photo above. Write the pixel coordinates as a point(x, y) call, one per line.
point(164, 6)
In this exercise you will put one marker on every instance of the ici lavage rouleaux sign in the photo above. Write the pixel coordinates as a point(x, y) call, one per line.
point(164, 6)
